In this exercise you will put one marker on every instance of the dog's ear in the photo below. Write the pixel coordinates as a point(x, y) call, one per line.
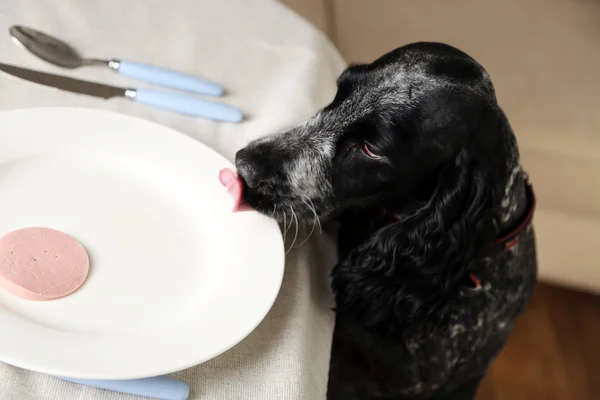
point(404, 278)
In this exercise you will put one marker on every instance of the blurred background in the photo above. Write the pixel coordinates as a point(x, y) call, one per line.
point(544, 59)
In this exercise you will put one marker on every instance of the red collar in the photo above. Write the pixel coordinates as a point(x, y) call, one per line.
point(512, 238)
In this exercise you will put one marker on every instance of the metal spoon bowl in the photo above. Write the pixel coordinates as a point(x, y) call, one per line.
point(51, 49)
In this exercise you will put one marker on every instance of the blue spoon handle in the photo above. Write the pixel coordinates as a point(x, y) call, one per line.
point(166, 77)
point(160, 387)
point(186, 105)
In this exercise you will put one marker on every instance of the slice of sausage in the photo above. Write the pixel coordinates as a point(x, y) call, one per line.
point(42, 264)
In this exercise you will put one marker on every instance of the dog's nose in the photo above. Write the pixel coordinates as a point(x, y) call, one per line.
point(248, 168)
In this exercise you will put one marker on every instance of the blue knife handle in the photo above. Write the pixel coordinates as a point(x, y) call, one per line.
point(186, 105)
point(166, 77)
point(160, 387)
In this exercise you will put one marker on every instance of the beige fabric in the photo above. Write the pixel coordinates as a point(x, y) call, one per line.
point(315, 11)
point(278, 69)
point(544, 58)
point(568, 249)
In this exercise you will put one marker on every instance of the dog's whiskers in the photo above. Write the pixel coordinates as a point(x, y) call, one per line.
point(291, 222)
point(314, 210)
point(294, 219)
point(274, 212)
point(284, 227)
point(315, 220)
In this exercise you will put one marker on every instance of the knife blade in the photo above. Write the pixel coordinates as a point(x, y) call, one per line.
point(178, 103)
point(64, 83)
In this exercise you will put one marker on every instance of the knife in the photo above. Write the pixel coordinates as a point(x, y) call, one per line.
point(178, 103)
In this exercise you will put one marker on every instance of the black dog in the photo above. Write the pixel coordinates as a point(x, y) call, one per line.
point(419, 164)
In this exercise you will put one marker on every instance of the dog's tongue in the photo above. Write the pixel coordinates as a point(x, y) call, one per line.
point(235, 188)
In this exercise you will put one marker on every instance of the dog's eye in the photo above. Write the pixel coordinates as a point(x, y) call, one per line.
point(366, 148)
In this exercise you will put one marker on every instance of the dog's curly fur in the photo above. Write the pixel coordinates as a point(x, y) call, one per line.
point(417, 135)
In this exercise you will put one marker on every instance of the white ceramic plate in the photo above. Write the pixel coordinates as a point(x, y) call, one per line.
point(175, 277)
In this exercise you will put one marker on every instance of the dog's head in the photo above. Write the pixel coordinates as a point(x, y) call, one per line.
point(392, 128)
point(418, 133)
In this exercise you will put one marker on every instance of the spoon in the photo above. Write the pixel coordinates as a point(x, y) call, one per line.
point(59, 53)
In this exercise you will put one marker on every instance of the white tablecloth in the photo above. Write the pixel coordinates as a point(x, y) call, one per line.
point(279, 70)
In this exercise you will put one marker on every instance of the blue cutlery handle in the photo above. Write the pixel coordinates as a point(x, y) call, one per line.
point(160, 387)
point(188, 105)
point(167, 78)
